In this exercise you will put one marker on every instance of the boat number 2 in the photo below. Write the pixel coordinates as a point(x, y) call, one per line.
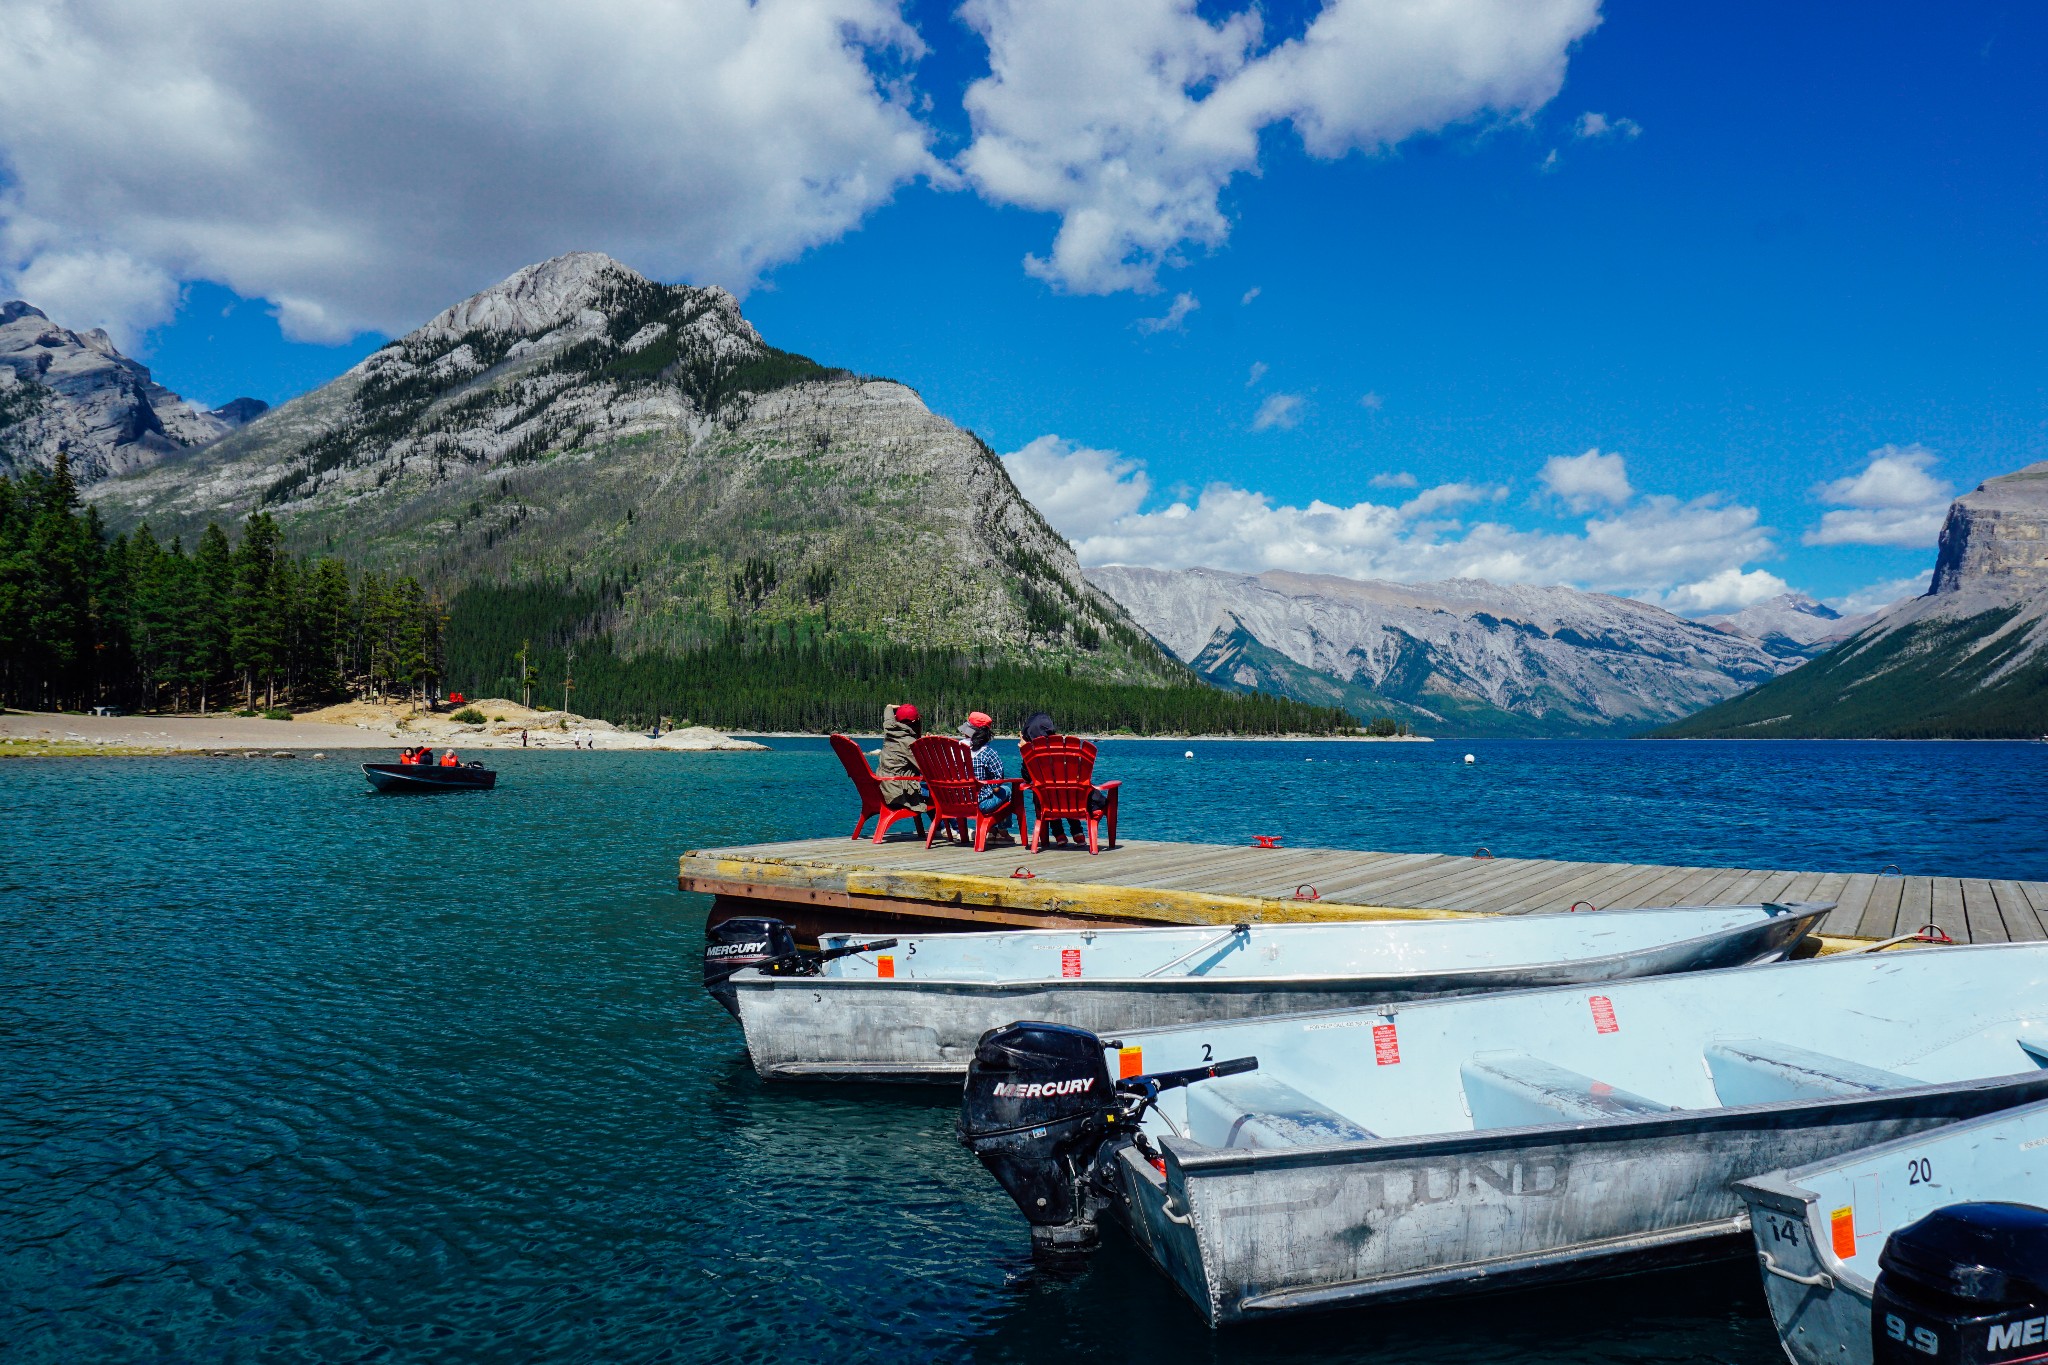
point(1919, 1171)
point(1783, 1230)
point(1208, 1053)
point(1921, 1339)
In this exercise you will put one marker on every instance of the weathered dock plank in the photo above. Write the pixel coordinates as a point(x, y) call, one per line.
point(900, 882)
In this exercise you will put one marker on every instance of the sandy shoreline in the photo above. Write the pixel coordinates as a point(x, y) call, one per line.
point(383, 729)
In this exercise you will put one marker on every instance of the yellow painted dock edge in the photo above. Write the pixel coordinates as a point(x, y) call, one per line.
point(1042, 896)
point(1036, 895)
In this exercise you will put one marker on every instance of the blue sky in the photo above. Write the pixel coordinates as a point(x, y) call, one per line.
point(1784, 262)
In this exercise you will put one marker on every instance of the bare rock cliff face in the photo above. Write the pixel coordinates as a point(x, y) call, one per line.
point(1996, 539)
point(74, 392)
point(1467, 655)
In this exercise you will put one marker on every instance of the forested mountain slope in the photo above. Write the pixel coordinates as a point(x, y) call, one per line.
point(1967, 660)
point(579, 422)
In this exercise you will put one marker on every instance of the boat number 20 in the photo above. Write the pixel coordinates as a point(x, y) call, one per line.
point(1921, 1339)
point(1919, 1171)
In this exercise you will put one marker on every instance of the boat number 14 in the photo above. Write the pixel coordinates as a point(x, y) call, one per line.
point(1782, 1230)
point(1921, 1339)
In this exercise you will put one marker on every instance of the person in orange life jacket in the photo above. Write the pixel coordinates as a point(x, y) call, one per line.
point(1039, 725)
point(449, 760)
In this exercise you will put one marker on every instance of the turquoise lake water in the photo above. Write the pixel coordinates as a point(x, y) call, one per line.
point(292, 1071)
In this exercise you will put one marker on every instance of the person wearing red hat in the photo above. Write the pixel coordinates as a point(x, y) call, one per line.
point(900, 728)
point(978, 729)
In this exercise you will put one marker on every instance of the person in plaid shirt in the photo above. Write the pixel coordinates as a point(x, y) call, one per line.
point(978, 729)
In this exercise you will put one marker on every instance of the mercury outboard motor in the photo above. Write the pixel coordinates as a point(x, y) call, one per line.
point(736, 944)
point(1041, 1113)
point(1966, 1285)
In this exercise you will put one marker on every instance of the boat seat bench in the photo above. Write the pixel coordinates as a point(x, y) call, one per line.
point(1257, 1110)
point(1515, 1090)
point(1764, 1071)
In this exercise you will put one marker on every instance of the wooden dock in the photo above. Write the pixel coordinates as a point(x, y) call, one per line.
point(829, 885)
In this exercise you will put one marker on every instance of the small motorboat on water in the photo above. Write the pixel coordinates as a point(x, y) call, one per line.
point(430, 777)
point(915, 1013)
point(1453, 1146)
point(1822, 1231)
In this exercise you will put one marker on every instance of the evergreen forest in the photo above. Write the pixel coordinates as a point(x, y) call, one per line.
point(91, 620)
point(87, 620)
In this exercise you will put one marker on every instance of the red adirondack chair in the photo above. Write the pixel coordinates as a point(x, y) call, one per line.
point(1061, 771)
point(947, 765)
point(870, 788)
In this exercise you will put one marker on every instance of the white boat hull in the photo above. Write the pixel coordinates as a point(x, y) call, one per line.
point(852, 1024)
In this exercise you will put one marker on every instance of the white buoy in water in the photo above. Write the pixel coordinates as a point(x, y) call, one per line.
point(1189, 754)
point(1470, 759)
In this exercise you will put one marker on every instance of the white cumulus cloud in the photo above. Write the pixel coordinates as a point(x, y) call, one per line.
point(1175, 318)
point(1282, 410)
point(1127, 120)
point(1692, 552)
point(1894, 500)
point(1401, 479)
point(1589, 480)
point(1591, 124)
point(362, 165)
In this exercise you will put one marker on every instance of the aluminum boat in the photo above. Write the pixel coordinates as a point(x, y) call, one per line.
point(1453, 1146)
point(1819, 1229)
point(914, 1009)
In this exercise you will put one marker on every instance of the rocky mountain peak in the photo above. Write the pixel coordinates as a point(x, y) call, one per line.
point(1995, 542)
point(76, 392)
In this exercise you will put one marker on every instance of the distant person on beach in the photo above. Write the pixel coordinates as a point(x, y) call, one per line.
point(901, 726)
point(1039, 725)
point(978, 729)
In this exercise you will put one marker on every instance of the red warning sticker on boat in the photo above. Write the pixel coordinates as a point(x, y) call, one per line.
point(1842, 1232)
point(1386, 1045)
point(1603, 1014)
point(1070, 962)
point(885, 965)
point(1130, 1061)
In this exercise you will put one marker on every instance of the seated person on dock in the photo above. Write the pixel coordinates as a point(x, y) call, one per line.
point(900, 727)
point(1039, 726)
point(978, 729)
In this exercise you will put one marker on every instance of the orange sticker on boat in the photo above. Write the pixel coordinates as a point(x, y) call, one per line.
point(885, 965)
point(1603, 1014)
point(1130, 1061)
point(1842, 1229)
point(1070, 962)
point(1386, 1045)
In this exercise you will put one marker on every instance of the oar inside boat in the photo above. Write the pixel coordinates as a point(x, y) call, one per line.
point(1242, 932)
point(1041, 1113)
point(732, 946)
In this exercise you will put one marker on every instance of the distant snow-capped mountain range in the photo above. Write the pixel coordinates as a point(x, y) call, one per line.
point(1465, 655)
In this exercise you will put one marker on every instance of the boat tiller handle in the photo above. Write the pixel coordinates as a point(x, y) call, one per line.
point(850, 949)
point(1173, 1080)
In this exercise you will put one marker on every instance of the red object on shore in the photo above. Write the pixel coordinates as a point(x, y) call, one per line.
point(870, 788)
point(456, 698)
point(1061, 771)
point(947, 765)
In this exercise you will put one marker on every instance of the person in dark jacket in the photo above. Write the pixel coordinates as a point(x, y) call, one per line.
point(1039, 725)
point(901, 726)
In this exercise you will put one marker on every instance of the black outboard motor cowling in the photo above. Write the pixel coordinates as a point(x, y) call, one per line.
point(1037, 1109)
point(736, 944)
point(1966, 1285)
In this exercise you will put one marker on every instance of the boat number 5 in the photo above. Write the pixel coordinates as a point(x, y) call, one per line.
point(1919, 1171)
point(1922, 1339)
point(1783, 1230)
